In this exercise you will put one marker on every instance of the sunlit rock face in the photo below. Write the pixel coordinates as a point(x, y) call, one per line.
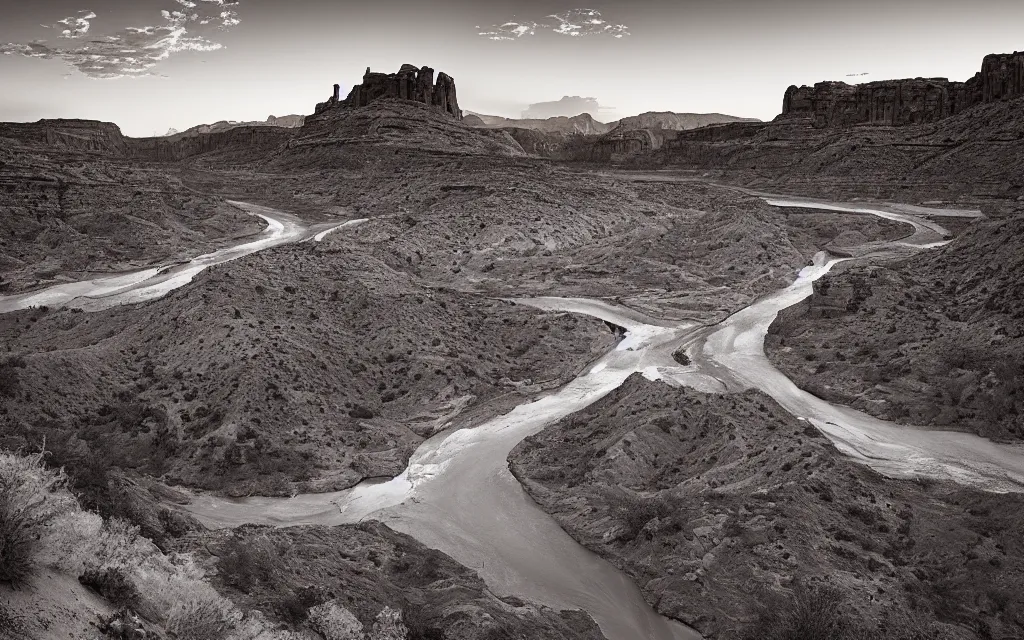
point(908, 101)
point(410, 83)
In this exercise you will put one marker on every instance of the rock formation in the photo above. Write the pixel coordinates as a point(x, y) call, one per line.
point(410, 83)
point(908, 101)
point(1001, 76)
point(889, 102)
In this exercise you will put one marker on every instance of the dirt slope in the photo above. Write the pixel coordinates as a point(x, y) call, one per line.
point(934, 340)
point(708, 502)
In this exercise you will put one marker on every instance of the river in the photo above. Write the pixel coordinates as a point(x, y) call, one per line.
point(457, 495)
point(149, 284)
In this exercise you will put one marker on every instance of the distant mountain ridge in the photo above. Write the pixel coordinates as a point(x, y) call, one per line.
point(585, 124)
point(289, 122)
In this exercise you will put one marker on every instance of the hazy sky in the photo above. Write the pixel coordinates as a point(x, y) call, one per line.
point(148, 65)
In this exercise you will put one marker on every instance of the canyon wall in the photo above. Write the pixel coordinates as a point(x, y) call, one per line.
point(908, 101)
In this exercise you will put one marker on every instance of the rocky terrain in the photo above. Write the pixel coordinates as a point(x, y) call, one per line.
point(933, 340)
point(73, 205)
point(838, 140)
point(67, 572)
point(716, 503)
point(367, 568)
point(322, 366)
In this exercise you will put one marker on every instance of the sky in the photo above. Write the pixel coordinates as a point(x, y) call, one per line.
point(151, 65)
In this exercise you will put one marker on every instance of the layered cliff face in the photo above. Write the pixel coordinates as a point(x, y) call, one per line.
point(60, 135)
point(890, 102)
point(908, 101)
point(248, 142)
point(410, 83)
point(1001, 76)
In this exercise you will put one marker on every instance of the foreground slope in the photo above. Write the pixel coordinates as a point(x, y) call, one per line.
point(715, 503)
point(931, 340)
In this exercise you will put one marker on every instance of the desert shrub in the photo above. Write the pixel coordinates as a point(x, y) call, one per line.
point(9, 375)
point(202, 618)
point(245, 563)
point(69, 548)
point(635, 511)
point(808, 613)
point(359, 412)
point(81, 541)
point(114, 584)
point(31, 498)
point(388, 626)
point(335, 622)
point(122, 625)
point(293, 607)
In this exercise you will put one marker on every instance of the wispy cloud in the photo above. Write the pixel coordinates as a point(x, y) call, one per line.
point(76, 26)
point(511, 30)
point(134, 51)
point(574, 23)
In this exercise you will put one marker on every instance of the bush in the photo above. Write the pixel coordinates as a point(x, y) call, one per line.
point(635, 511)
point(114, 584)
point(245, 563)
point(335, 622)
point(31, 498)
point(294, 606)
point(389, 626)
point(9, 375)
point(202, 619)
point(807, 614)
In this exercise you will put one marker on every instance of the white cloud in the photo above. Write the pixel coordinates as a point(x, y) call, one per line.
point(510, 30)
point(133, 51)
point(77, 26)
point(574, 23)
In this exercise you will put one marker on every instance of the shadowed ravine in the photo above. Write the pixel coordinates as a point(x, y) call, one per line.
point(458, 496)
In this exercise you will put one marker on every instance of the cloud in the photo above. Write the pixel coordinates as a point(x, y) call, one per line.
point(574, 23)
point(77, 26)
point(510, 30)
point(566, 106)
point(133, 51)
point(586, 22)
